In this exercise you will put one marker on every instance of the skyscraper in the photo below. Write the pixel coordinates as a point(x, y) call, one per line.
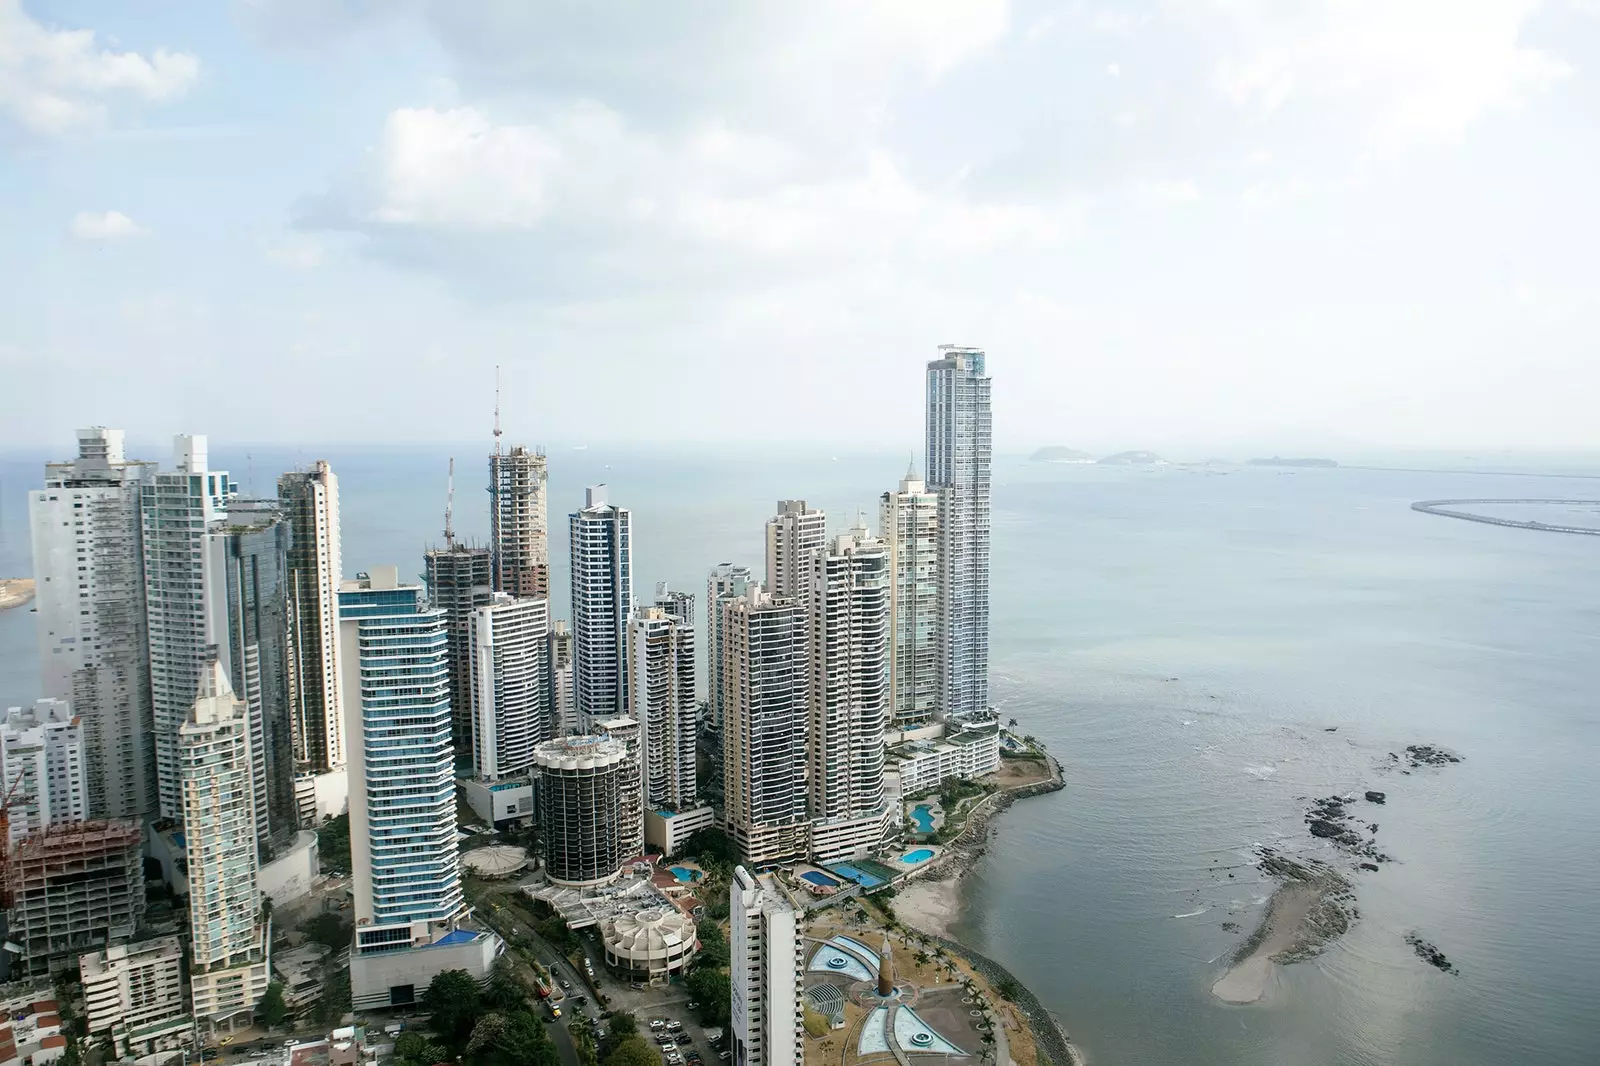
point(765, 683)
point(510, 685)
point(849, 707)
point(726, 582)
point(229, 940)
point(563, 714)
point(43, 766)
point(602, 601)
point(185, 596)
point(519, 521)
point(580, 789)
point(624, 730)
point(93, 643)
point(661, 658)
point(793, 536)
point(908, 521)
point(310, 502)
point(767, 961)
point(960, 432)
point(459, 583)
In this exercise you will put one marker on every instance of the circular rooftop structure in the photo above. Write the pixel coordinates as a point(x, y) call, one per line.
point(579, 753)
point(497, 860)
point(650, 944)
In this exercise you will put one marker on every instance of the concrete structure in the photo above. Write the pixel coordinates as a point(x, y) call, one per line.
point(229, 941)
point(849, 631)
point(662, 689)
point(768, 957)
point(133, 996)
point(908, 522)
point(765, 694)
point(510, 685)
point(500, 803)
point(185, 595)
point(31, 1029)
point(667, 831)
point(290, 876)
point(794, 535)
point(726, 582)
point(322, 796)
point(42, 766)
point(459, 583)
point(74, 888)
point(630, 780)
point(406, 877)
point(299, 971)
point(960, 432)
point(602, 601)
point(93, 645)
point(519, 522)
point(967, 753)
point(309, 500)
point(563, 711)
point(579, 788)
point(496, 861)
point(649, 945)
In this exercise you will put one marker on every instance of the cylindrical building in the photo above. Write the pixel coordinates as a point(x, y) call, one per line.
point(579, 796)
point(650, 945)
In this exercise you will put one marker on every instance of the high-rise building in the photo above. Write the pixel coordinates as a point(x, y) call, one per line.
point(908, 521)
point(563, 713)
point(185, 595)
point(767, 951)
point(133, 996)
point(310, 502)
point(793, 536)
point(726, 582)
point(74, 887)
point(405, 876)
point(43, 766)
point(849, 708)
point(93, 645)
point(960, 442)
point(519, 521)
point(661, 658)
point(510, 685)
point(229, 939)
point(765, 685)
point(624, 730)
point(580, 795)
point(602, 601)
point(459, 583)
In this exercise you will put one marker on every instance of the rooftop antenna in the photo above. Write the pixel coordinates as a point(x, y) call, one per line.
point(450, 507)
point(497, 408)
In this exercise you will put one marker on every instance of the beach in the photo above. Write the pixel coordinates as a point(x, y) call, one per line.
point(15, 591)
point(929, 905)
point(1247, 979)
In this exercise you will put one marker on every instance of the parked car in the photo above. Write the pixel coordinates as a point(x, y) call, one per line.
point(656, 1023)
point(674, 1025)
point(685, 1038)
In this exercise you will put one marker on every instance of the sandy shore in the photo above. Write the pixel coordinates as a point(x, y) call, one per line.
point(929, 906)
point(15, 591)
point(1281, 930)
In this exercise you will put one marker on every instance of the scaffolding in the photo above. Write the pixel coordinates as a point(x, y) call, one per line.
point(72, 888)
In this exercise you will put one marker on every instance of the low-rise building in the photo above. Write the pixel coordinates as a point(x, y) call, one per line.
point(971, 752)
point(30, 1029)
point(299, 971)
point(133, 995)
point(667, 831)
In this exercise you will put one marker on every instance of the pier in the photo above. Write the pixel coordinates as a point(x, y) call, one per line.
point(1448, 509)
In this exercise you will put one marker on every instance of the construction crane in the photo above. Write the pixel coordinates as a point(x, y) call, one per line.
point(450, 507)
point(5, 840)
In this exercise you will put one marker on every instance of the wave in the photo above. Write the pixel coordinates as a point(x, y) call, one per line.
point(1260, 773)
point(1191, 914)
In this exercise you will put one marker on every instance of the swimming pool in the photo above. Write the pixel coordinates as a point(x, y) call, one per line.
point(685, 875)
point(911, 858)
point(860, 877)
point(922, 814)
point(821, 880)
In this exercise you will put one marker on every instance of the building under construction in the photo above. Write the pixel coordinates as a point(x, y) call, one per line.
point(71, 889)
point(519, 522)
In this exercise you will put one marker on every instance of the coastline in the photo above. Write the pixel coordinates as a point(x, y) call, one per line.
point(15, 592)
point(1307, 910)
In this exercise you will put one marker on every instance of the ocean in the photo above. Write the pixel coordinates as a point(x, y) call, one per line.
point(1205, 652)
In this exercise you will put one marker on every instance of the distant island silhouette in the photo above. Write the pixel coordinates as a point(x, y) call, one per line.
point(1132, 459)
point(1278, 460)
point(1055, 453)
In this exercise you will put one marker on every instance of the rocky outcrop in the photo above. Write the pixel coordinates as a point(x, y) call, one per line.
point(1431, 955)
point(1376, 797)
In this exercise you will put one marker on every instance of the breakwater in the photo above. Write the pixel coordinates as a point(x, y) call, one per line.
point(1049, 1036)
point(1448, 509)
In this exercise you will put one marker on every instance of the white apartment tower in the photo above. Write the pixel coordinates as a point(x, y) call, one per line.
point(310, 502)
point(661, 659)
point(765, 679)
point(42, 763)
point(602, 601)
point(624, 731)
point(510, 685)
point(133, 995)
point(908, 522)
point(563, 714)
point(93, 646)
point(228, 937)
point(794, 536)
point(960, 442)
point(726, 582)
point(767, 951)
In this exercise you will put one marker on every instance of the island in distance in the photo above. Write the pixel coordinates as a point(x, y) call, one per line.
point(1133, 459)
point(1055, 453)
point(1278, 460)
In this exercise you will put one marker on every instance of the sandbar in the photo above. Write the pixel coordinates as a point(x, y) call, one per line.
point(1281, 930)
point(15, 591)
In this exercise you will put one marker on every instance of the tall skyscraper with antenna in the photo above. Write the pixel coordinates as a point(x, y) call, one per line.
point(458, 580)
point(519, 516)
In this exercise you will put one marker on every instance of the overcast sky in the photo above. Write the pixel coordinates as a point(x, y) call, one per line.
point(1364, 221)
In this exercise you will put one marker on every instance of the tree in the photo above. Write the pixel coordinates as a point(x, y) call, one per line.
point(333, 844)
point(506, 990)
point(455, 1002)
point(622, 1024)
point(633, 1052)
point(408, 1047)
point(1008, 987)
point(711, 845)
point(713, 944)
point(328, 929)
point(272, 1010)
point(714, 992)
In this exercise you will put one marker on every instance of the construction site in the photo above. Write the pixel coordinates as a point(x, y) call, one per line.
point(70, 889)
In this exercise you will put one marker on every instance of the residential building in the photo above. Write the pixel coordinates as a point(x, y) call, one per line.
point(510, 685)
point(794, 536)
point(849, 631)
point(969, 753)
point(580, 798)
point(602, 601)
point(767, 951)
point(960, 432)
point(519, 522)
point(669, 831)
point(309, 500)
point(42, 767)
point(133, 996)
point(31, 1028)
point(725, 583)
point(765, 693)
point(229, 939)
point(93, 645)
point(630, 779)
point(661, 658)
point(908, 522)
point(459, 583)
point(563, 712)
point(74, 887)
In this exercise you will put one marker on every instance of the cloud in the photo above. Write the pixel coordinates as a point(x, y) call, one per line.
point(104, 226)
point(1169, 193)
point(53, 81)
point(296, 251)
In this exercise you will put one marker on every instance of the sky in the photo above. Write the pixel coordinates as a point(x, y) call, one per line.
point(1335, 223)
